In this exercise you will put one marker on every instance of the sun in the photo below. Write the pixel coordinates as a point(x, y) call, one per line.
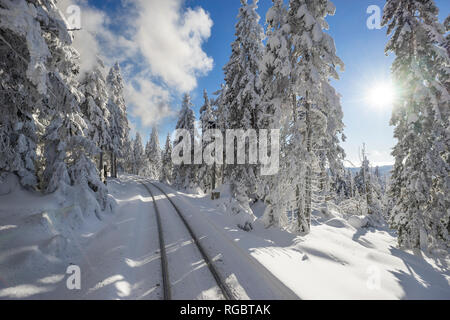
point(381, 96)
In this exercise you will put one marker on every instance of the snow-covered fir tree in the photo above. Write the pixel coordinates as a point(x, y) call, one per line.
point(275, 78)
point(67, 148)
point(420, 180)
point(363, 180)
point(23, 86)
point(220, 115)
point(125, 163)
point(185, 176)
point(241, 99)
point(118, 122)
point(275, 68)
point(315, 101)
point(207, 173)
point(167, 165)
point(153, 156)
point(53, 122)
point(95, 109)
point(137, 155)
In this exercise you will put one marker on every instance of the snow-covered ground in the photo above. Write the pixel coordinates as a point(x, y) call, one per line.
point(118, 252)
point(335, 261)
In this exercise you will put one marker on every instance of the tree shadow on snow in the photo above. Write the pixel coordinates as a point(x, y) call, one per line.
point(421, 281)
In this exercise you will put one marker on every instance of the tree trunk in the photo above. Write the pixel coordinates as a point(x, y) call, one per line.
point(308, 180)
point(115, 167)
point(304, 212)
point(213, 176)
point(112, 165)
point(100, 164)
point(368, 195)
point(297, 188)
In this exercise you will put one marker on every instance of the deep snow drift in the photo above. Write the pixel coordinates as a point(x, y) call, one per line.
point(117, 251)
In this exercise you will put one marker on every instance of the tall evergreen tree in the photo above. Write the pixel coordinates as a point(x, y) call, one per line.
point(420, 180)
point(275, 78)
point(315, 101)
point(125, 163)
point(67, 148)
point(185, 175)
point(167, 165)
point(153, 156)
point(118, 121)
point(23, 86)
point(138, 155)
point(363, 181)
point(95, 109)
point(241, 99)
point(207, 173)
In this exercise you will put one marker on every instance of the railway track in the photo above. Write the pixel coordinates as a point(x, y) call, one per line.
point(226, 292)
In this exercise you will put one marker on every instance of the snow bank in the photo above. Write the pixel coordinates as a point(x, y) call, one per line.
point(358, 222)
point(239, 210)
point(41, 234)
point(344, 256)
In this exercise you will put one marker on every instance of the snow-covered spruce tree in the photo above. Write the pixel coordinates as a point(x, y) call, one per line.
point(23, 86)
point(185, 175)
point(118, 122)
point(349, 183)
point(420, 179)
point(314, 62)
point(95, 109)
point(67, 149)
point(221, 115)
point(276, 108)
point(444, 73)
point(137, 156)
point(378, 193)
point(363, 180)
point(368, 184)
point(167, 165)
point(125, 163)
point(64, 122)
point(207, 173)
point(242, 97)
point(146, 169)
point(153, 156)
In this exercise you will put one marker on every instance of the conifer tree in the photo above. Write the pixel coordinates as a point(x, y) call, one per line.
point(95, 109)
point(207, 173)
point(241, 99)
point(420, 180)
point(317, 112)
point(138, 156)
point(167, 165)
point(118, 121)
point(185, 175)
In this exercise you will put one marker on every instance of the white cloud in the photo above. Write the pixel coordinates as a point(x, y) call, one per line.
point(149, 101)
point(171, 41)
point(158, 39)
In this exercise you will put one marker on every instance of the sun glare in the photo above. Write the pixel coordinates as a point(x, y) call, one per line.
point(381, 96)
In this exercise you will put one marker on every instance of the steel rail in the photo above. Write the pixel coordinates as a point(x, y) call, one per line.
point(228, 295)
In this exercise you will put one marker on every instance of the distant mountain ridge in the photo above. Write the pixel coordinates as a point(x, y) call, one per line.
point(384, 170)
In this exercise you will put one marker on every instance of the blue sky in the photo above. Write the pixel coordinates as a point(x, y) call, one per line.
point(361, 49)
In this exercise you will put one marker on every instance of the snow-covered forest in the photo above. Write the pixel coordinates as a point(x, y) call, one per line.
point(69, 163)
